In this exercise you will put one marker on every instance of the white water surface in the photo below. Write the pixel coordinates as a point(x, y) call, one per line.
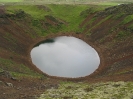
point(66, 57)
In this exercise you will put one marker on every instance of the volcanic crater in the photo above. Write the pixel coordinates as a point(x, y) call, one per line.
point(104, 30)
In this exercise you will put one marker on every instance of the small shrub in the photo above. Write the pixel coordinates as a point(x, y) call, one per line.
point(20, 13)
point(36, 23)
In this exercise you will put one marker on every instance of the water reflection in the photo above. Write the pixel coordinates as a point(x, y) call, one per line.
point(65, 57)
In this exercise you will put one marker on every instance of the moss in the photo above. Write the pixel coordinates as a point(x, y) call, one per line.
point(123, 72)
point(100, 91)
point(31, 75)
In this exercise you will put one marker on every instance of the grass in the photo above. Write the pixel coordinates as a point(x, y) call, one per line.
point(117, 16)
point(70, 14)
point(67, 12)
point(20, 75)
point(123, 72)
point(17, 70)
point(99, 23)
point(11, 0)
point(10, 38)
point(127, 19)
point(130, 27)
point(1, 70)
point(122, 34)
point(32, 10)
point(108, 3)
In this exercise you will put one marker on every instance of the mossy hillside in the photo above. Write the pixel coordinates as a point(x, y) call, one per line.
point(108, 90)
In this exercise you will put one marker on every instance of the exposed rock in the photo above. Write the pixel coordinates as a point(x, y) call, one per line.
point(9, 84)
point(7, 74)
point(49, 86)
point(6, 83)
point(18, 14)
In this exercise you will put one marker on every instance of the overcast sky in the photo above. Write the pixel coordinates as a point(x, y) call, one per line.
point(66, 57)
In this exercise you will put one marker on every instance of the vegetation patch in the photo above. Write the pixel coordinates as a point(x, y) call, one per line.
point(127, 19)
point(70, 14)
point(70, 90)
point(17, 70)
point(118, 16)
point(109, 3)
point(67, 16)
point(32, 10)
point(99, 23)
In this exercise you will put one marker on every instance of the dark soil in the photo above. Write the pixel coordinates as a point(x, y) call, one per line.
point(25, 88)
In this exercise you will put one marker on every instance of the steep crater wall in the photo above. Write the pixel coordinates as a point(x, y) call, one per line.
point(109, 33)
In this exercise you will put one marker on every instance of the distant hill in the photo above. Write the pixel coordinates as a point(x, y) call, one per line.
point(98, 2)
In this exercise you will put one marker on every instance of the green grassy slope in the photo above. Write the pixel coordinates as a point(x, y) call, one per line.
point(67, 14)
